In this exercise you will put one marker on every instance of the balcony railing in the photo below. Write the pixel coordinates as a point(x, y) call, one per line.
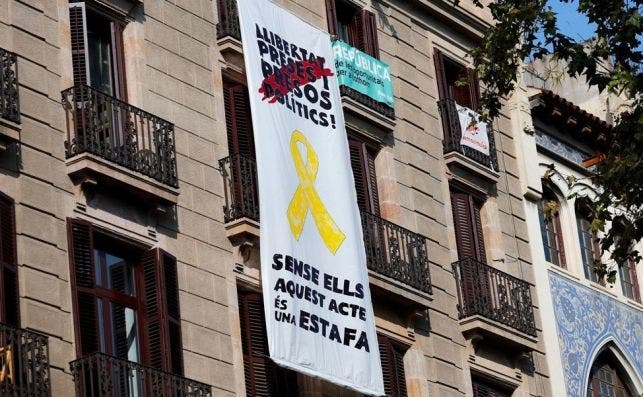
point(24, 363)
point(102, 375)
point(391, 250)
point(228, 19)
point(116, 131)
point(240, 188)
point(490, 293)
point(396, 252)
point(453, 134)
point(9, 99)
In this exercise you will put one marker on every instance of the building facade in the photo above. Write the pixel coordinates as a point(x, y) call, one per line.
point(594, 333)
point(129, 209)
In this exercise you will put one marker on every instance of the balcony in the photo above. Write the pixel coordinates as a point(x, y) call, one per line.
point(102, 375)
point(493, 302)
point(396, 253)
point(112, 141)
point(9, 99)
point(453, 150)
point(24, 363)
point(228, 25)
point(241, 209)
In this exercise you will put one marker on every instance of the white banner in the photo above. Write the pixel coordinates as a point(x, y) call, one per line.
point(474, 133)
point(319, 316)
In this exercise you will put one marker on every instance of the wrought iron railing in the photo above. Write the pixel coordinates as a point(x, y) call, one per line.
point(228, 19)
point(24, 363)
point(240, 188)
point(367, 101)
point(121, 133)
point(396, 252)
point(496, 295)
point(9, 98)
point(453, 134)
point(391, 250)
point(102, 375)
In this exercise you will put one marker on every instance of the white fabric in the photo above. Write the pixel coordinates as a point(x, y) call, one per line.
point(474, 133)
point(315, 110)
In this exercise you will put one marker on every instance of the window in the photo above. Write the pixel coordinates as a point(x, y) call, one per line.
point(238, 121)
point(363, 164)
point(126, 300)
point(468, 226)
point(590, 251)
point(484, 388)
point(456, 82)
point(629, 280)
point(9, 298)
point(353, 25)
point(606, 380)
point(550, 228)
point(392, 358)
point(263, 376)
point(97, 49)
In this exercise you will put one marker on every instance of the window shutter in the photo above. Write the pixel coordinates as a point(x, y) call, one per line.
point(474, 88)
point(263, 377)
point(464, 236)
point(363, 165)
point(484, 389)
point(369, 34)
point(118, 56)
point(560, 245)
point(238, 121)
point(161, 322)
point(9, 296)
point(331, 17)
point(635, 281)
point(83, 280)
point(79, 56)
point(392, 359)
point(481, 254)
point(440, 75)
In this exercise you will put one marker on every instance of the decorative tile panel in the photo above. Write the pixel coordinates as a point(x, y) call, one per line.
point(586, 320)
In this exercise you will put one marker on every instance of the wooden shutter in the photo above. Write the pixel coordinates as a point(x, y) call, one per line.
point(263, 377)
point(440, 75)
point(238, 122)
point(474, 88)
point(118, 57)
point(481, 253)
point(560, 245)
point(392, 359)
point(161, 322)
point(9, 295)
point(369, 33)
point(466, 228)
point(79, 56)
point(485, 389)
point(83, 282)
point(331, 17)
point(363, 164)
point(634, 280)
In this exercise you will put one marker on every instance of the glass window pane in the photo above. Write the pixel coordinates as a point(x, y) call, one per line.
point(124, 333)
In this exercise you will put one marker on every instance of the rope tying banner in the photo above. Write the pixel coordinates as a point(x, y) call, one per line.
point(306, 197)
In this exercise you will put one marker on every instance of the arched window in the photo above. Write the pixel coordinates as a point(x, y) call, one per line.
point(550, 229)
point(607, 379)
point(589, 249)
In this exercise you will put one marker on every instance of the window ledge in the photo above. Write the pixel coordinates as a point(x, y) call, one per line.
point(479, 327)
point(87, 168)
point(241, 230)
point(232, 51)
point(366, 113)
point(459, 160)
point(9, 133)
point(404, 294)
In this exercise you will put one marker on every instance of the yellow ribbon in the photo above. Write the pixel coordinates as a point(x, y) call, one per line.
point(6, 364)
point(306, 197)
